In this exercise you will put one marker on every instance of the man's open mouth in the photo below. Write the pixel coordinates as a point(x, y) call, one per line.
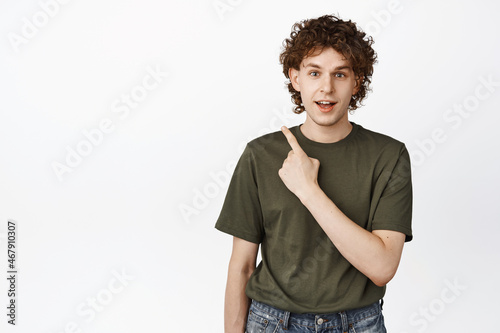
point(325, 106)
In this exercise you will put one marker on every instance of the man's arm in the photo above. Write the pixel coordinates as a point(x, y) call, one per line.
point(241, 266)
point(375, 254)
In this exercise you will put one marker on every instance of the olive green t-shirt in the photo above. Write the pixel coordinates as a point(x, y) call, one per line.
point(366, 174)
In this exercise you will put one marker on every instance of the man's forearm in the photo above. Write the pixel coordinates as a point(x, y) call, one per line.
point(372, 255)
point(236, 301)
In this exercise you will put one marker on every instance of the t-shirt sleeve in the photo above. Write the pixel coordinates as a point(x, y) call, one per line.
point(394, 209)
point(241, 213)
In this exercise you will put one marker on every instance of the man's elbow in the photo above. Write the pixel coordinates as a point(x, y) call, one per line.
point(238, 268)
point(383, 277)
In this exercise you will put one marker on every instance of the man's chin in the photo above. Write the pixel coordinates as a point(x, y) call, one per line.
point(328, 121)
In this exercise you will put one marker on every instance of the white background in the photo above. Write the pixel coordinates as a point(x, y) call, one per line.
point(143, 201)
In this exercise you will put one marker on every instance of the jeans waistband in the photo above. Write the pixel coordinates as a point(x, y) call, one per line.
point(336, 319)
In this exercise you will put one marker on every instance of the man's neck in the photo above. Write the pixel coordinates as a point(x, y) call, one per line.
point(326, 134)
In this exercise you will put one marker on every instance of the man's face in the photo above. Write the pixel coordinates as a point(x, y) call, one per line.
point(326, 83)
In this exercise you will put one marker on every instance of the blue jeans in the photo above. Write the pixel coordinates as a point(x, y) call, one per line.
point(263, 318)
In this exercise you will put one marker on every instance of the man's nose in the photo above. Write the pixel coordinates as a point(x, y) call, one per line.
point(327, 84)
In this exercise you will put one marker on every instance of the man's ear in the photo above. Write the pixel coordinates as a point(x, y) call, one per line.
point(293, 74)
point(357, 85)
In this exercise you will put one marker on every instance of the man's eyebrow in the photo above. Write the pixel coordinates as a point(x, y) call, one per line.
point(338, 68)
point(313, 65)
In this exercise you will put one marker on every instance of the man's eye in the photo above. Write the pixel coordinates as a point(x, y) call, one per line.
point(340, 75)
point(314, 73)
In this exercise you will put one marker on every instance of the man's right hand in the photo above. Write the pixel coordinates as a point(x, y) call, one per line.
point(241, 267)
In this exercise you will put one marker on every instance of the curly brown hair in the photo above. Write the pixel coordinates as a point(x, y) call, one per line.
point(311, 35)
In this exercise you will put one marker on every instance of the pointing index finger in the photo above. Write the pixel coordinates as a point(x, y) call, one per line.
point(292, 141)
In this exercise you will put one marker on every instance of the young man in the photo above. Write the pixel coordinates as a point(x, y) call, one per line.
point(328, 201)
